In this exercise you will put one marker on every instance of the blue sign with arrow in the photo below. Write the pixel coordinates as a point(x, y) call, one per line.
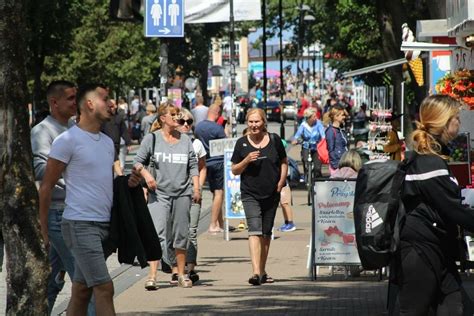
point(164, 18)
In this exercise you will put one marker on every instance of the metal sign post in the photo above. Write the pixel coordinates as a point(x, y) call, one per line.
point(232, 68)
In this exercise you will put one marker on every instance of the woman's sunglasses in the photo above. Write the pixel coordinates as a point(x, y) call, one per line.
point(188, 121)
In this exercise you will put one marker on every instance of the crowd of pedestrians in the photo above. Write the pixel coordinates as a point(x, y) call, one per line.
point(80, 147)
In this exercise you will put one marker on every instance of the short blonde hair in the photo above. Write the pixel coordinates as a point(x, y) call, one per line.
point(351, 159)
point(187, 113)
point(435, 113)
point(309, 112)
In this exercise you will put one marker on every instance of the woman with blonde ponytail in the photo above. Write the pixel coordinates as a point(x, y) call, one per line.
point(426, 271)
point(432, 131)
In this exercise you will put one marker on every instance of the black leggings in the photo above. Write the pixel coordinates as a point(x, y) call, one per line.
point(419, 291)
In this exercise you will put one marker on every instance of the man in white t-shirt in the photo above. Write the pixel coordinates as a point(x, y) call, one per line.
point(85, 156)
point(135, 106)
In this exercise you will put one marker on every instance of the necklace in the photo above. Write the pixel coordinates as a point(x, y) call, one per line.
point(257, 144)
point(94, 137)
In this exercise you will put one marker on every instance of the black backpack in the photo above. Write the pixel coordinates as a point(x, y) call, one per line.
point(378, 211)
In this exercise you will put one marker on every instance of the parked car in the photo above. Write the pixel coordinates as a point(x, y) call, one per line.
point(273, 111)
point(289, 109)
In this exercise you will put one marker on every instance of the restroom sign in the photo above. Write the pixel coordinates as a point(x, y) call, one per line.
point(164, 18)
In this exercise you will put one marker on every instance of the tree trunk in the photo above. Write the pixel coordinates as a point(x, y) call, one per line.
point(27, 264)
point(390, 16)
point(203, 77)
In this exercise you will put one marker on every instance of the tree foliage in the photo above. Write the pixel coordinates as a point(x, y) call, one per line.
point(100, 50)
point(76, 40)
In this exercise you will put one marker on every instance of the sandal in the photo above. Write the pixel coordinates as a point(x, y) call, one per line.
point(150, 285)
point(255, 280)
point(266, 279)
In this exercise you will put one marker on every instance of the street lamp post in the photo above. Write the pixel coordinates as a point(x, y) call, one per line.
point(302, 17)
point(321, 69)
point(282, 86)
point(264, 50)
point(232, 68)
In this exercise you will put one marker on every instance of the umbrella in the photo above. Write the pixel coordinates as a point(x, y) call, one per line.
point(270, 74)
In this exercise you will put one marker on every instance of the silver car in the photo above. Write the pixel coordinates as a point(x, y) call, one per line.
point(289, 109)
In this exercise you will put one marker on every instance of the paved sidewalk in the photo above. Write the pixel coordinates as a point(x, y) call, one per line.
point(224, 268)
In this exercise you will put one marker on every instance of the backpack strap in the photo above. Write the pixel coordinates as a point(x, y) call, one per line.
point(275, 142)
point(396, 190)
point(272, 138)
point(152, 159)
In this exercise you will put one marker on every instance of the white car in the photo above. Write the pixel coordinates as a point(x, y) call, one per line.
point(289, 109)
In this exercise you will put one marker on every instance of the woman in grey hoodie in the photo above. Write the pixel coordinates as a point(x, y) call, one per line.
point(171, 192)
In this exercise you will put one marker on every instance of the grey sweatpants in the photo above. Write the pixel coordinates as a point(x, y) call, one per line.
point(191, 254)
point(171, 219)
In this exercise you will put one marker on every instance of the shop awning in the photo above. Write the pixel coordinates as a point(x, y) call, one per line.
point(427, 46)
point(373, 68)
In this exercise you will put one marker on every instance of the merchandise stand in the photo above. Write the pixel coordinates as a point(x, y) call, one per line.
point(460, 167)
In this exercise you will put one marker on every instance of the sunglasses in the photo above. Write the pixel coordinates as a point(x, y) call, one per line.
point(188, 121)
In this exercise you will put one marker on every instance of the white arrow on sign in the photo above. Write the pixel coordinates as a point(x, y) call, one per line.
point(165, 30)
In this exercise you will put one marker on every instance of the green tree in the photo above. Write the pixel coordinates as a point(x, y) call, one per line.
point(49, 28)
point(100, 50)
point(359, 33)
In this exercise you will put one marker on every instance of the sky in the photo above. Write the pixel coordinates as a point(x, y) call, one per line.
point(255, 35)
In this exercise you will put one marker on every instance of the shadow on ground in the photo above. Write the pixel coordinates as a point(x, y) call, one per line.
point(295, 296)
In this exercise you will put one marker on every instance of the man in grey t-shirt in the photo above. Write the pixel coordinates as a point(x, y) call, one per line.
point(61, 97)
point(147, 121)
point(200, 111)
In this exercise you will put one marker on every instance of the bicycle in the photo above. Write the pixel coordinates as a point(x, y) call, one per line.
point(308, 167)
point(309, 176)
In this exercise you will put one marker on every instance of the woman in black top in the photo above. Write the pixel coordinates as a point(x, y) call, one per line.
point(427, 273)
point(260, 159)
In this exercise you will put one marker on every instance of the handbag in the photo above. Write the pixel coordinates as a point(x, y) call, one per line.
point(323, 153)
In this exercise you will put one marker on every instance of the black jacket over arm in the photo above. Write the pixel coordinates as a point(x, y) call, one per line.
point(131, 227)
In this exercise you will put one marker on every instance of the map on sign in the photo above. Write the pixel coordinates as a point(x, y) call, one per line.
point(164, 18)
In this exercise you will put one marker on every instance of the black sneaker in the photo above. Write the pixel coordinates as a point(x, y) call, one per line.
point(174, 279)
point(255, 280)
point(165, 267)
point(193, 276)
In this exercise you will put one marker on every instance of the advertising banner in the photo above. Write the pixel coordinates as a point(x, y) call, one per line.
point(174, 94)
point(212, 11)
point(217, 147)
point(440, 66)
point(233, 202)
point(334, 223)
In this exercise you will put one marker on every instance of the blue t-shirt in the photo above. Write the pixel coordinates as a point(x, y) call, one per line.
point(206, 131)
